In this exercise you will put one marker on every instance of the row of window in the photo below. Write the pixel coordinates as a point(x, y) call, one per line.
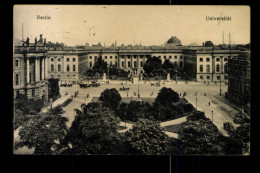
point(67, 59)
point(59, 67)
point(208, 59)
point(217, 68)
point(68, 76)
point(218, 77)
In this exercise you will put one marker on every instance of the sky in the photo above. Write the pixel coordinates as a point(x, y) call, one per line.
point(125, 24)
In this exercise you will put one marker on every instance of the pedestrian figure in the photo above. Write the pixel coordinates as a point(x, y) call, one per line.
point(209, 103)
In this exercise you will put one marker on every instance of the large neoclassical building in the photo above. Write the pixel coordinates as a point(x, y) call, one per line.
point(35, 63)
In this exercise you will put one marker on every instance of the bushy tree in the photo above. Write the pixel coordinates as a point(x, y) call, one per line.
point(44, 133)
point(169, 67)
point(54, 89)
point(110, 98)
point(100, 66)
point(94, 131)
point(147, 137)
point(153, 65)
point(199, 136)
point(166, 96)
point(136, 110)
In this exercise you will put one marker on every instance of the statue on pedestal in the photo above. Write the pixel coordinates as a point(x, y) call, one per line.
point(168, 77)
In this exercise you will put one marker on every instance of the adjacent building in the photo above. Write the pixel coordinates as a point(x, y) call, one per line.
point(239, 76)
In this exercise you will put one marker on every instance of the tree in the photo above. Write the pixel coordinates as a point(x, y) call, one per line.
point(147, 137)
point(166, 96)
point(200, 136)
point(44, 132)
point(152, 65)
point(100, 66)
point(110, 98)
point(169, 67)
point(54, 89)
point(94, 131)
point(136, 110)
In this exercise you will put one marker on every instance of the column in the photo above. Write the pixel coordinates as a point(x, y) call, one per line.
point(46, 68)
point(28, 70)
point(35, 70)
point(43, 68)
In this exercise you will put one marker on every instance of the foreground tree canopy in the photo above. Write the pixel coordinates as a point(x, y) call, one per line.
point(44, 132)
point(110, 98)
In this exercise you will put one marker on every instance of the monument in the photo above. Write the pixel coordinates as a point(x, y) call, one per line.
point(168, 77)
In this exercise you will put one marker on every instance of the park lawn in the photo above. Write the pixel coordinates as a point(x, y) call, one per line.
point(174, 128)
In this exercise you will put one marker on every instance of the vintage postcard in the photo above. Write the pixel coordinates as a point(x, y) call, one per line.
point(131, 80)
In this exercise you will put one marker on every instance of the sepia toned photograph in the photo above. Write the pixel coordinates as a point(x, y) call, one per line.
point(131, 80)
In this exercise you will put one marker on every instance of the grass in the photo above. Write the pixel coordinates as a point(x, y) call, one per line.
point(174, 128)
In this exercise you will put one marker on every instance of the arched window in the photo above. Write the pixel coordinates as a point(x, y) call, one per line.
point(74, 67)
point(123, 64)
point(208, 68)
point(225, 68)
point(17, 79)
point(129, 64)
point(90, 64)
point(68, 67)
point(59, 67)
point(217, 68)
point(135, 64)
point(201, 68)
point(52, 67)
point(141, 64)
point(181, 64)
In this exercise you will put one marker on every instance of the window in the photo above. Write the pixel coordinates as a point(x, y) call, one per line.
point(17, 79)
point(90, 64)
point(218, 77)
point(201, 68)
point(74, 67)
point(52, 76)
point(225, 77)
point(68, 67)
point(128, 57)
point(17, 93)
point(170, 57)
point(201, 77)
point(201, 59)
point(59, 67)
point(73, 76)
point(129, 64)
point(208, 77)
point(225, 68)
point(208, 69)
point(181, 64)
point(123, 64)
point(217, 68)
point(110, 57)
point(175, 57)
point(181, 57)
point(74, 59)
point(207, 59)
point(59, 59)
point(16, 63)
point(110, 63)
point(217, 59)
point(52, 59)
point(115, 57)
point(116, 64)
point(164, 57)
point(135, 64)
point(225, 59)
point(52, 67)
point(141, 64)
point(68, 76)
point(68, 59)
point(58, 76)
point(90, 57)
point(95, 57)
point(105, 57)
point(33, 92)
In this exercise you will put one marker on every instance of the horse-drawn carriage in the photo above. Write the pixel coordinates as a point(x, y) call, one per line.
point(157, 84)
point(124, 89)
point(95, 84)
point(65, 85)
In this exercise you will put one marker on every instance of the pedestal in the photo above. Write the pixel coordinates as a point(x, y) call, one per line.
point(135, 79)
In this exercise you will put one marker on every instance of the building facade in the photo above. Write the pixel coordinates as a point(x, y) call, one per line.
point(239, 75)
point(30, 72)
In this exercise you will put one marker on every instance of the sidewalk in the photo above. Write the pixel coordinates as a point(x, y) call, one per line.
point(174, 122)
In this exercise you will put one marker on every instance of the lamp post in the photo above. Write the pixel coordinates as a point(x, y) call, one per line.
point(220, 84)
point(138, 87)
point(196, 103)
point(212, 115)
